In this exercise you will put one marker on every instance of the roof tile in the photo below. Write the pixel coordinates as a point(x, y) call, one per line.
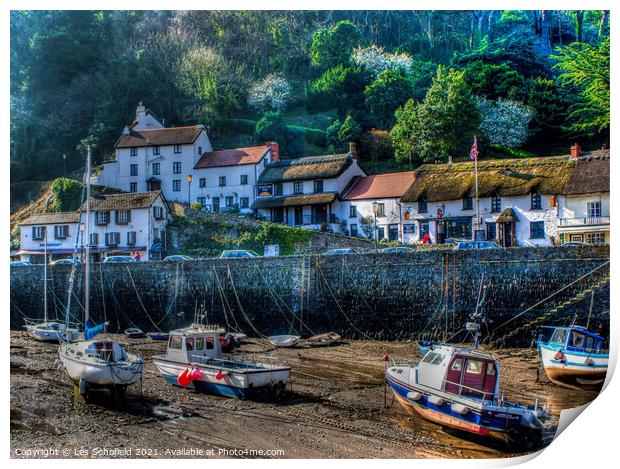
point(159, 137)
point(236, 156)
point(380, 186)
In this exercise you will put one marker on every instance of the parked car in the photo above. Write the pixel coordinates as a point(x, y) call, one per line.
point(336, 251)
point(64, 262)
point(472, 245)
point(238, 253)
point(177, 258)
point(115, 259)
point(575, 244)
point(397, 249)
point(19, 263)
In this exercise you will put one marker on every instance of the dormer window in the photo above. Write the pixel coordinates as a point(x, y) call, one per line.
point(133, 151)
point(536, 200)
point(298, 187)
point(156, 150)
point(318, 186)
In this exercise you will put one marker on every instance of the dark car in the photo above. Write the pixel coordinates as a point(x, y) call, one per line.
point(394, 249)
point(236, 253)
point(473, 245)
point(337, 251)
point(575, 244)
point(177, 258)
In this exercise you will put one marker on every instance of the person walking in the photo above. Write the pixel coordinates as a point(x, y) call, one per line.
point(137, 257)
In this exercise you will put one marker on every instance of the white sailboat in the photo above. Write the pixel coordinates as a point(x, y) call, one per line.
point(46, 330)
point(93, 364)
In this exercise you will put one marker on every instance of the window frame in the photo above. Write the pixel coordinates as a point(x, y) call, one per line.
point(535, 200)
point(133, 151)
point(380, 210)
point(318, 183)
point(176, 185)
point(278, 188)
point(468, 202)
point(222, 181)
point(243, 180)
point(176, 167)
point(352, 211)
point(156, 150)
point(156, 168)
point(177, 149)
point(133, 169)
point(537, 229)
point(244, 202)
point(422, 206)
point(133, 186)
point(202, 182)
point(496, 203)
point(298, 187)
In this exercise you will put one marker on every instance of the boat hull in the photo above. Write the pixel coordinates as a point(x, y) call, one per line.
point(43, 335)
point(242, 384)
point(100, 375)
point(284, 341)
point(576, 369)
point(504, 427)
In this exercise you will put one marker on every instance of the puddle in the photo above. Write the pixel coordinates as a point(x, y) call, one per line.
point(33, 420)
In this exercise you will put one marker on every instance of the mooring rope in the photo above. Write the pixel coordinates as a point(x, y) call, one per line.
point(551, 296)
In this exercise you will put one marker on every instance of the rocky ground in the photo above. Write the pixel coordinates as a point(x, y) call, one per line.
point(336, 407)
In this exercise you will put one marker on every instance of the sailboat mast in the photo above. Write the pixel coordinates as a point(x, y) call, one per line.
point(86, 240)
point(45, 276)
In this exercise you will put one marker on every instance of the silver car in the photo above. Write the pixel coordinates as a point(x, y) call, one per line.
point(235, 253)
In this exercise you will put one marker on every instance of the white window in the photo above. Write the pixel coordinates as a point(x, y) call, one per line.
point(176, 167)
point(155, 150)
point(177, 148)
point(133, 187)
point(131, 238)
point(133, 151)
point(158, 212)
point(102, 218)
point(123, 217)
point(594, 209)
point(176, 185)
point(61, 231)
point(94, 239)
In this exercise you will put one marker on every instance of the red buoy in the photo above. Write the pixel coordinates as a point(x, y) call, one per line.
point(386, 357)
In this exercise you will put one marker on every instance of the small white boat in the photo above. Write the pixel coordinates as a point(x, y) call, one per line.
point(194, 359)
point(51, 331)
point(574, 357)
point(323, 340)
point(284, 341)
point(134, 333)
point(100, 364)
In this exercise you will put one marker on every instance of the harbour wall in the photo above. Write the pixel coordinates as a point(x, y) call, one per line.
point(381, 296)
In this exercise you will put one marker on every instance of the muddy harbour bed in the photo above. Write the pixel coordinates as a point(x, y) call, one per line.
point(336, 406)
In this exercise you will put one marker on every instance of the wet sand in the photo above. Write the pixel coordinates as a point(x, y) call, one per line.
point(336, 407)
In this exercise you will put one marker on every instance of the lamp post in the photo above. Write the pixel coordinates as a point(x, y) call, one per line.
point(64, 164)
point(374, 211)
point(189, 189)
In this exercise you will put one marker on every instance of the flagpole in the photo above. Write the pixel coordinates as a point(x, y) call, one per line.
point(475, 153)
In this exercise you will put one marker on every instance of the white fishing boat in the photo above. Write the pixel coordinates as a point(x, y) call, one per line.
point(284, 341)
point(93, 364)
point(574, 357)
point(194, 359)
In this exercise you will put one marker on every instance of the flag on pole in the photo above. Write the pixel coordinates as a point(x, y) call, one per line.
point(473, 154)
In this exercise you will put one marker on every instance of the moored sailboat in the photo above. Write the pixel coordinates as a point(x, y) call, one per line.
point(95, 364)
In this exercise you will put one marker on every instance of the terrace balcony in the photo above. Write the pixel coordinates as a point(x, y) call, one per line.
point(584, 224)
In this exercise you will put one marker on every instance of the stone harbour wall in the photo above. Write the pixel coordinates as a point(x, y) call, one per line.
point(382, 296)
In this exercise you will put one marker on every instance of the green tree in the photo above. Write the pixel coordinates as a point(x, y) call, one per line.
point(333, 46)
point(494, 81)
point(340, 87)
point(442, 125)
point(586, 68)
point(271, 127)
point(350, 131)
point(389, 91)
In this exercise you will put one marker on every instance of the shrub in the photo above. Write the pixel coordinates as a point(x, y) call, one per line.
point(67, 194)
point(271, 93)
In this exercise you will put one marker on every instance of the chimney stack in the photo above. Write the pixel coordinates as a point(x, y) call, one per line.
point(140, 111)
point(575, 151)
point(353, 150)
point(275, 151)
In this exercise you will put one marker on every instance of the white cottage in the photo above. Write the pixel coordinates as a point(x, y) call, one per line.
point(57, 230)
point(303, 192)
point(518, 201)
point(370, 205)
point(584, 204)
point(123, 224)
point(181, 162)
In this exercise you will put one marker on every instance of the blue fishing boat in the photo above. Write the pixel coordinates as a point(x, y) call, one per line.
point(158, 335)
point(573, 356)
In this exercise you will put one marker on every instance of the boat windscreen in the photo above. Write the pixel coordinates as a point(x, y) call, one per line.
point(433, 358)
point(559, 336)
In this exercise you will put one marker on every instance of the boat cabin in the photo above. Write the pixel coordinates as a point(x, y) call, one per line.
point(194, 343)
point(105, 350)
point(575, 339)
point(460, 372)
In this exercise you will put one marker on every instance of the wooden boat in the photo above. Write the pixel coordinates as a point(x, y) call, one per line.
point(323, 340)
point(134, 333)
point(158, 335)
point(574, 357)
point(284, 341)
point(194, 359)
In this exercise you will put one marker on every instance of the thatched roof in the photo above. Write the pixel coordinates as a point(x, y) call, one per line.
point(438, 182)
point(309, 167)
point(507, 216)
point(591, 174)
point(294, 200)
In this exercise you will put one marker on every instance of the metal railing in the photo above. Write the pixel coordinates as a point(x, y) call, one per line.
point(586, 221)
